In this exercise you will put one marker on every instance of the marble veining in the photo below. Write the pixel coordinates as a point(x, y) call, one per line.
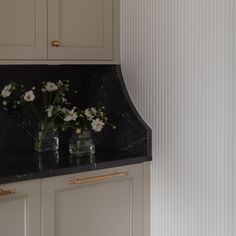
point(98, 85)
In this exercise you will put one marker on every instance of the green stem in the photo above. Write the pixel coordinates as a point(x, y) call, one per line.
point(45, 131)
point(55, 99)
point(60, 116)
point(50, 97)
point(35, 111)
point(44, 99)
point(113, 126)
point(27, 131)
point(49, 125)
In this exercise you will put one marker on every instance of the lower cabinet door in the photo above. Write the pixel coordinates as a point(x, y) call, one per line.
point(20, 208)
point(99, 203)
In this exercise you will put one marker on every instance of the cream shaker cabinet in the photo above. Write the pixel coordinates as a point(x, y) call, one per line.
point(99, 203)
point(20, 209)
point(113, 201)
point(80, 29)
point(74, 30)
point(23, 31)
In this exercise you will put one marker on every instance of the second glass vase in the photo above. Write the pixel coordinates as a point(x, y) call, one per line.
point(82, 144)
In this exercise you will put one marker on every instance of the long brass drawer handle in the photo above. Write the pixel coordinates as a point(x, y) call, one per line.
point(98, 178)
point(6, 192)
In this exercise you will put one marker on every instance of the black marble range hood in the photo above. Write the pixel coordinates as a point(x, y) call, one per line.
point(98, 85)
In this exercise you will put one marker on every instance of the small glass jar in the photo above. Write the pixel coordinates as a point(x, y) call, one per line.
point(46, 139)
point(82, 144)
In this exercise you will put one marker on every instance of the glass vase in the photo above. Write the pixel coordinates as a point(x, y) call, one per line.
point(46, 139)
point(82, 144)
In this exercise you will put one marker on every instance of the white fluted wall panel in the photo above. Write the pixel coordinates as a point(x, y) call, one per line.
point(177, 59)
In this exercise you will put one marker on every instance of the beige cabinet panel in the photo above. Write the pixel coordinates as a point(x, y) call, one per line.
point(23, 29)
point(20, 211)
point(84, 29)
point(97, 207)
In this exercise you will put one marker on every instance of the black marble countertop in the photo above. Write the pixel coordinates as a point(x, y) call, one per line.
point(28, 165)
point(97, 85)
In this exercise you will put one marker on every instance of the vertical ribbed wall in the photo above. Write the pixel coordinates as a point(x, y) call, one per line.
point(177, 60)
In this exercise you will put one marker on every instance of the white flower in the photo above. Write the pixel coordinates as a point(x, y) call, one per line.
point(89, 114)
point(64, 99)
point(93, 110)
point(49, 111)
point(67, 87)
point(29, 96)
point(78, 131)
point(6, 92)
point(97, 125)
point(71, 115)
point(50, 87)
point(4, 103)
point(59, 83)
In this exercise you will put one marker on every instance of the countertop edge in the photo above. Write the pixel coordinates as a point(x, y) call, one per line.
point(71, 170)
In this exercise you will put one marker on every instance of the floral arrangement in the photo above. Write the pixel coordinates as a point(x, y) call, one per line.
point(81, 120)
point(46, 107)
point(52, 108)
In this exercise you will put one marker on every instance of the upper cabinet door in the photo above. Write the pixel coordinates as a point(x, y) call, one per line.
point(80, 29)
point(23, 27)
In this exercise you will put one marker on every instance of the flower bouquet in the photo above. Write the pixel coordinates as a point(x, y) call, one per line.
point(82, 122)
point(47, 107)
point(52, 110)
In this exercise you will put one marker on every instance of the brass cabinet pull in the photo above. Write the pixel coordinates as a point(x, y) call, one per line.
point(6, 192)
point(97, 178)
point(55, 43)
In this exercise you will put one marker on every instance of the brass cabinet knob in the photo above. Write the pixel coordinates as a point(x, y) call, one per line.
point(55, 43)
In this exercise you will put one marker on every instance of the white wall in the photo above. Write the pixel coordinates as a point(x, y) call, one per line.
point(177, 60)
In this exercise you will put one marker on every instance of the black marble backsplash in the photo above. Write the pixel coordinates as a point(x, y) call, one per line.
point(97, 85)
